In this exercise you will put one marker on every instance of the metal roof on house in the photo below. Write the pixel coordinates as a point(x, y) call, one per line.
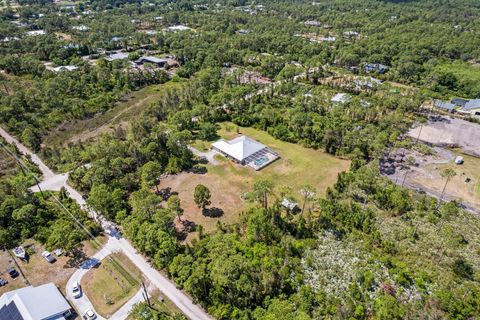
point(472, 104)
point(239, 148)
point(36, 303)
point(117, 56)
point(152, 60)
point(444, 105)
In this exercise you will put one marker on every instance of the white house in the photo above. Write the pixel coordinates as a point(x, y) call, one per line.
point(44, 302)
point(246, 151)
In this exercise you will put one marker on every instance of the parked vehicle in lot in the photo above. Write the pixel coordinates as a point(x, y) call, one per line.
point(48, 256)
point(13, 272)
point(3, 282)
point(89, 315)
point(76, 290)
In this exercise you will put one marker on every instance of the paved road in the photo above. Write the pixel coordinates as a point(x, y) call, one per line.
point(180, 299)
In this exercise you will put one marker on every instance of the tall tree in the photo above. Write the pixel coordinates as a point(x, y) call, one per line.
point(261, 190)
point(202, 196)
point(151, 172)
point(174, 205)
point(448, 174)
point(308, 192)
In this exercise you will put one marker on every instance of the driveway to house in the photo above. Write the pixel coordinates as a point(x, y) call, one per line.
point(209, 155)
point(82, 304)
point(168, 288)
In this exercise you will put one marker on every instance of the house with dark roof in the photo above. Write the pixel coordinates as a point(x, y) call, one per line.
point(160, 63)
point(459, 102)
point(44, 302)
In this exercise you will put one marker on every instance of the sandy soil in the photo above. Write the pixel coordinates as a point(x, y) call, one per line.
point(450, 133)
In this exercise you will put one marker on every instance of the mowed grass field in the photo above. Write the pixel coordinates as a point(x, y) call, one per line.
point(458, 186)
point(128, 108)
point(111, 284)
point(227, 181)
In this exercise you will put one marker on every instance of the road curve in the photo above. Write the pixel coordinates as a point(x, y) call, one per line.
point(180, 299)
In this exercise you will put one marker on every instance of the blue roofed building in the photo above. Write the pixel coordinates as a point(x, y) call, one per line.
point(472, 107)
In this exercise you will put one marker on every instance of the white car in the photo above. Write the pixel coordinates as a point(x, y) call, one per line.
point(89, 315)
point(76, 290)
point(48, 256)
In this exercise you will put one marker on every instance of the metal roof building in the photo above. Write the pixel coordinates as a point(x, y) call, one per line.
point(246, 151)
point(44, 302)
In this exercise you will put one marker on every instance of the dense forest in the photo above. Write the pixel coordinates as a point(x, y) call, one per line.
point(368, 249)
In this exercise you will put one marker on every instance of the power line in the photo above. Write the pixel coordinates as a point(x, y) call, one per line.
point(24, 168)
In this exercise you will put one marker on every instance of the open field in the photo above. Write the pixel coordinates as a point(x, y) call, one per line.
point(228, 181)
point(458, 187)
point(111, 284)
point(450, 132)
point(37, 270)
point(125, 110)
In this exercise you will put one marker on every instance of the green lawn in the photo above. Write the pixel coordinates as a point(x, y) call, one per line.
point(111, 284)
point(296, 167)
point(228, 181)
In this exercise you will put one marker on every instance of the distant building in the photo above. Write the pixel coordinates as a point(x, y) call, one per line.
point(81, 28)
point(351, 34)
point(444, 105)
point(459, 102)
point(246, 151)
point(178, 28)
point(312, 23)
point(117, 56)
point(160, 63)
point(341, 98)
point(34, 33)
point(44, 302)
point(65, 68)
point(375, 67)
point(472, 107)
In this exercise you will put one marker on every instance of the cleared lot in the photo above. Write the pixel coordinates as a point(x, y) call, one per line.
point(228, 181)
point(450, 132)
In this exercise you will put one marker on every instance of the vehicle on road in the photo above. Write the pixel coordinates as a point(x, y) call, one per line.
point(76, 290)
point(3, 282)
point(89, 315)
point(48, 256)
point(13, 272)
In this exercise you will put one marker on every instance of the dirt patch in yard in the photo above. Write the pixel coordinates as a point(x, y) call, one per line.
point(37, 270)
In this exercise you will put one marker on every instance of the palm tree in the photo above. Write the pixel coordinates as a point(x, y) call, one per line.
point(308, 192)
point(448, 174)
point(261, 190)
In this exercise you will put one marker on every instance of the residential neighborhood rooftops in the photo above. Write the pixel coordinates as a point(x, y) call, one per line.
point(34, 303)
point(178, 28)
